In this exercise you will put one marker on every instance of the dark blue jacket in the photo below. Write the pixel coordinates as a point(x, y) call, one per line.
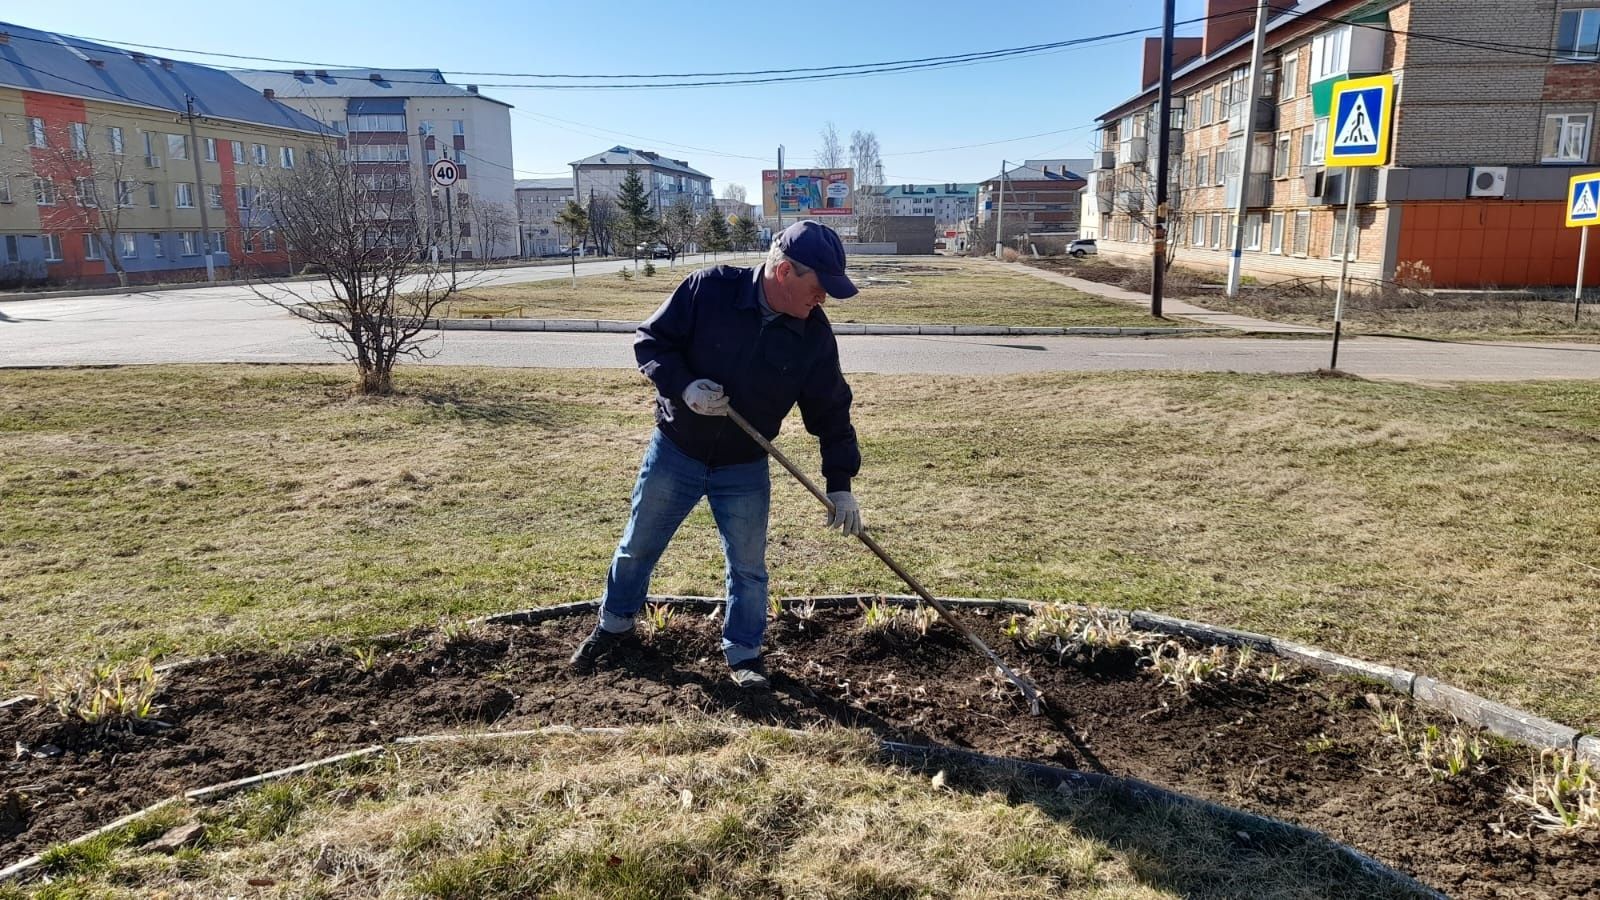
point(711, 327)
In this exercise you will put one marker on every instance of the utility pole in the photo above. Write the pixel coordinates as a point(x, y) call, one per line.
point(1000, 215)
point(1243, 203)
point(1158, 261)
point(200, 187)
point(777, 193)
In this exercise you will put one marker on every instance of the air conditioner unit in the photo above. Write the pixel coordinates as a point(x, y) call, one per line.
point(1488, 181)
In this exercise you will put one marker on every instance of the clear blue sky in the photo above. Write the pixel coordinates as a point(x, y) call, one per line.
point(910, 112)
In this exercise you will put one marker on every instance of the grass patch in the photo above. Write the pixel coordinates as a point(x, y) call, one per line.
point(694, 811)
point(182, 510)
point(894, 290)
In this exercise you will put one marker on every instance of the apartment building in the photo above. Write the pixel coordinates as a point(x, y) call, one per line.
point(1485, 138)
point(539, 201)
point(97, 167)
point(402, 121)
point(1042, 197)
point(668, 181)
point(949, 204)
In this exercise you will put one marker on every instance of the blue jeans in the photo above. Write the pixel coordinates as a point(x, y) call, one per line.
point(670, 484)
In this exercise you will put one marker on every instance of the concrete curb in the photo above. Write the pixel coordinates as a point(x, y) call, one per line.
point(615, 326)
point(918, 755)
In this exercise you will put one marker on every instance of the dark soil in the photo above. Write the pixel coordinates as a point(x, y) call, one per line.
point(1307, 749)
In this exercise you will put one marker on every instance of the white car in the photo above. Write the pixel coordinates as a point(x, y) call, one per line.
point(1083, 248)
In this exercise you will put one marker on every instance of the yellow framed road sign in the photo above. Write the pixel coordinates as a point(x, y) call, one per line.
point(1583, 200)
point(1361, 119)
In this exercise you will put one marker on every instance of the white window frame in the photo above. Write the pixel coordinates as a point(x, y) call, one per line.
point(1330, 53)
point(239, 158)
point(458, 127)
point(242, 196)
point(182, 195)
point(83, 188)
point(1277, 234)
point(1563, 123)
point(1302, 233)
point(130, 244)
point(214, 196)
point(211, 149)
point(159, 244)
point(1252, 232)
point(269, 240)
point(1289, 74)
point(125, 193)
point(36, 133)
point(177, 146)
point(5, 188)
point(1319, 142)
point(1336, 240)
point(152, 194)
point(1216, 231)
point(260, 153)
point(114, 139)
point(187, 244)
point(91, 247)
point(44, 192)
point(1206, 107)
point(79, 133)
point(52, 247)
point(1197, 231)
point(1584, 18)
point(286, 157)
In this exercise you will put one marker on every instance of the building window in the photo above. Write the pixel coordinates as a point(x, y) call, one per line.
point(247, 241)
point(260, 151)
point(269, 240)
point(286, 157)
point(238, 153)
point(1197, 231)
point(44, 192)
point(1302, 233)
point(458, 127)
point(1566, 137)
point(36, 136)
point(376, 122)
point(177, 146)
point(1252, 231)
point(151, 159)
point(186, 244)
point(211, 149)
point(216, 243)
point(1277, 232)
point(52, 247)
point(1289, 80)
point(85, 190)
point(425, 128)
point(159, 243)
point(114, 139)
point(1206, 108)
point(244, 196)
point(1280, 156)
point(124, 193)
point(382, 153)
point(1579, 37)
point(1336, 245)
point(130, 244)
point(80, 138)
point(1216, 230)
point(183, 195)
point(214, 196)
point(1330, 53)
point(91, 247)
point(5, 188)
point(1319, 141)
point(154, 196)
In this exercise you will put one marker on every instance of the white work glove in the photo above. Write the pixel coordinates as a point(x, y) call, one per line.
point(705, 397)
point(846, 513)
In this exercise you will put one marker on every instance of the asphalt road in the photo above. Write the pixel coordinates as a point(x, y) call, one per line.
point(232, 324)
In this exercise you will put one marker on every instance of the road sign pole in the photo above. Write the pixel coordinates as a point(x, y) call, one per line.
point(450, 230)
point(1583, 257)
point(1352, 178)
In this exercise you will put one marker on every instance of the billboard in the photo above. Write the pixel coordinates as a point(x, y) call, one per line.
point(807, 192)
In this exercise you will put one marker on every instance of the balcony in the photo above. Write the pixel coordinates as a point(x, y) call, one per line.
point(1135, 150)
point(1264, 110)
point(1258, 186)
point(1105, 160)
point(1326, 187)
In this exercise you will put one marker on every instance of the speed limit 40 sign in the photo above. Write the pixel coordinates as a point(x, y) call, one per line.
point(445, 173)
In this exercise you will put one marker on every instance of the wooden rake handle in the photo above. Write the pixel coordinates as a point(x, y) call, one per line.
point(1027, 687)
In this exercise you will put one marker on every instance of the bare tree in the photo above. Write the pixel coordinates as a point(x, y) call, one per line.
point(603, 220)
point(831, 154)
point(365, 234)
point(734, 192)
point(491, 223)
point(680, 227)
point(867, 160)
point(81, 182)
point(1133, 196)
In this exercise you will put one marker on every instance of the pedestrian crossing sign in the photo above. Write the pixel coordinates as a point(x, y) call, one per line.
point(1583, 200)
point(1358, 133)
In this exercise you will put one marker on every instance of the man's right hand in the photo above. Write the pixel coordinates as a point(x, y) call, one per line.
point(705, 397)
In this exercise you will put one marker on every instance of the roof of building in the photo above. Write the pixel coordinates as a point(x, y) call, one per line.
point(332, 83)
point(33, 60)
point(627, 156)
point(546, 184)
point(1044, 171)
point(936, 191)
point(1280, 18)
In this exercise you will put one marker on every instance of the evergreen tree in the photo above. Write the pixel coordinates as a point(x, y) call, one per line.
point(575, 220)
point(714, 232)
point(744, 233)
point(638, 223)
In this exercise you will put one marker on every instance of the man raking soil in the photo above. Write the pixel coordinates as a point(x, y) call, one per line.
point(758, 336)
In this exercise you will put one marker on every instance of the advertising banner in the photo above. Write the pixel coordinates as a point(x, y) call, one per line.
point(807, 192)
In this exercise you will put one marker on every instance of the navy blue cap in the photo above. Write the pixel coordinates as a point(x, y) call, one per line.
point(818, 248)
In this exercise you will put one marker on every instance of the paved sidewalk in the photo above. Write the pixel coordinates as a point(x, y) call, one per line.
point(1173, 307)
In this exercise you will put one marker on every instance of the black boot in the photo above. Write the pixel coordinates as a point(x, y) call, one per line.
point(599, 643)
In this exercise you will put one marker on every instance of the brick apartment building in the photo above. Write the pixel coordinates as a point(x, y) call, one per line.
point(1485, 138)
point(97, 170)
point(1042, 197)
point(539, 201)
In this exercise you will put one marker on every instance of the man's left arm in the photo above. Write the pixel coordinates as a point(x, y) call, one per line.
point(825, 409)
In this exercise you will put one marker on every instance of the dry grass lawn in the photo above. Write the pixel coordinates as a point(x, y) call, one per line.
point(179, 510)
point(692, 812)
point(894, 290)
